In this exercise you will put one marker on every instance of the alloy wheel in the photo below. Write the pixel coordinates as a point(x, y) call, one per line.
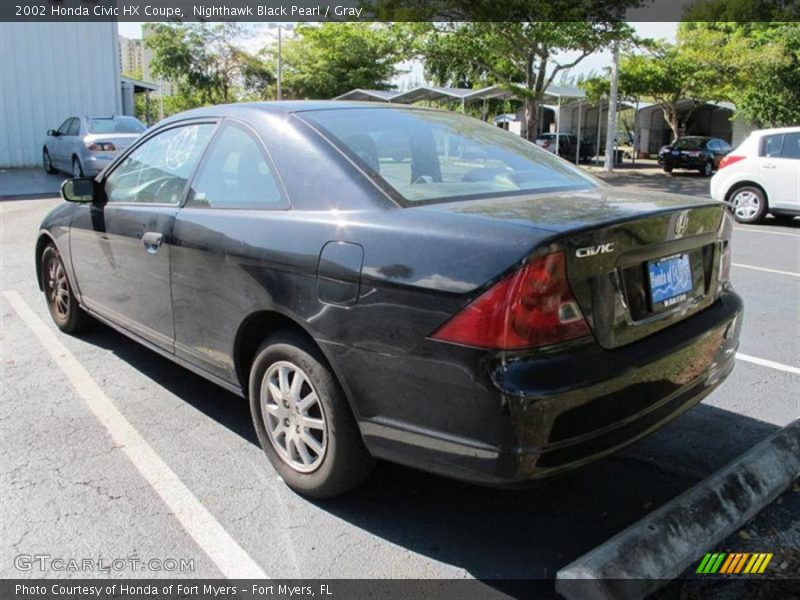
point(58, 288)
point(293, 417)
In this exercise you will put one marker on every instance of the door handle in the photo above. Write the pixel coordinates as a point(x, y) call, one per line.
point(152, 242)
point(769, 166)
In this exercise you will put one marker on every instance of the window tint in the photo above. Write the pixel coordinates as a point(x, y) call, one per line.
point(689, 143)
point(156, 172)
point(431, 156)
point(771, 145)
point(714, 145)
point(116, 125)
point(236, 174)
point(74, 127)
point(64, 127)
point(791, 146)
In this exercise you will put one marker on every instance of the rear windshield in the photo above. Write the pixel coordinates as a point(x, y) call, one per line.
point(430, 156)
point(116, 125)
point(689, 143)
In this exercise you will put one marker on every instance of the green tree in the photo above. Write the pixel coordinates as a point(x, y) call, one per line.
point(668, 75)
point(326, 60)
point(757, 65)
point(523, 57)
point(206, 63)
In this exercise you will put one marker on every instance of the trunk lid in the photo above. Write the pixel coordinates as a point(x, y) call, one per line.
point(637, 261)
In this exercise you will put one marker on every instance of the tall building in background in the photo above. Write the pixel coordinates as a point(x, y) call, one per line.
point(131, 57)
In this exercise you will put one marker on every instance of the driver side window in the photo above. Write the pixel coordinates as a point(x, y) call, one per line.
point(156, 172)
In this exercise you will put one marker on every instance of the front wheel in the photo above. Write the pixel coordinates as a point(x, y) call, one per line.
point(47, 162)
point(748, 205)
point(61, 302)
point(708, 169)
point(303, 420)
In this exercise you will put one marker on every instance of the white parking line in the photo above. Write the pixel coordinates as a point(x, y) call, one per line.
point(231, 559)
point(767, 231)
point(768, 363)
point(789, 273)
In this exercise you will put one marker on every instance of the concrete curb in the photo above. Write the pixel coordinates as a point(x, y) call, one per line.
point(661, 546)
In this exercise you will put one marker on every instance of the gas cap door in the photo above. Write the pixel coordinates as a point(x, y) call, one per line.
point(339, 273)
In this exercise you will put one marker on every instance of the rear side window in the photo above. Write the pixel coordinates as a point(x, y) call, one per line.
point(791, 146)
point(64, 127)
point(771, 145)
point(428, 156)
point(236, 174)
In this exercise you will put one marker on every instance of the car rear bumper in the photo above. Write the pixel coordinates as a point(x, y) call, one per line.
point(684, 162)
point(554, 412)
point(92, 165)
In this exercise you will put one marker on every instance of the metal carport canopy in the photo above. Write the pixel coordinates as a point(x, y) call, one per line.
point(369, 95)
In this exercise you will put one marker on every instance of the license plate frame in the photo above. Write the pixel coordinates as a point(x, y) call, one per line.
point(670, 281)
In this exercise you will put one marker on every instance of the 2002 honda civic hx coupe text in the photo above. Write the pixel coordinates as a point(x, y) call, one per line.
point(477, 308)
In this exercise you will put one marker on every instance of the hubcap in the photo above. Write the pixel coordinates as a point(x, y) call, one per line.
point(709, 168)
point(746, 205)
point(58, 288)
point(293, 417)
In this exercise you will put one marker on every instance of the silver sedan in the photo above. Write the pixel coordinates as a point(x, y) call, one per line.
point(86, 145)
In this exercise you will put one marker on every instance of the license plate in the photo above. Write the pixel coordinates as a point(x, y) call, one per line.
point(671, 280)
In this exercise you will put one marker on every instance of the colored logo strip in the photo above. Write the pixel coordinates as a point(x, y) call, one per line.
point(734, 563)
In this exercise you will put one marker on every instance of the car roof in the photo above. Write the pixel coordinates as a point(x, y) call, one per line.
point(284, 108)
point(772, 130)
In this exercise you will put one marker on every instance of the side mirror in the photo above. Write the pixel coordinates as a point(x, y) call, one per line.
point(80, 189)
point(52, 133)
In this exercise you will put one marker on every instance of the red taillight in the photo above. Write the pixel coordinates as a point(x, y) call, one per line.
point(546, 144)
point(532, 307)
point(729, 160)
point(102, 147)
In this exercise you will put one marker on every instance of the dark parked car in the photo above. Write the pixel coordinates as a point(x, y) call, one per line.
point(494, 316)
point(567, 145)
point(695, 153)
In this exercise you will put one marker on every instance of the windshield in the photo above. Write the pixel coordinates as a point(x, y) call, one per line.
point(116, 125)
point(431, 156)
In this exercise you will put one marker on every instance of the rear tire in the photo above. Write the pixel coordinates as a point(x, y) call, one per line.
point(47, 163)
point(335, 459)
point(748, 205)
point(68, 316)
point(707, 170)
point(77, 169)
point(667, 169)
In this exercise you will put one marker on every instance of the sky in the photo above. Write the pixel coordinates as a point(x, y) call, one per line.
point(413, 70)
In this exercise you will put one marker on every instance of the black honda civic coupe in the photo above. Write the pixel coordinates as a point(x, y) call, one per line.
point(399, 283)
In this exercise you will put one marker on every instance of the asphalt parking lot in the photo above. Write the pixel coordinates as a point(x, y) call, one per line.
point(68, 489)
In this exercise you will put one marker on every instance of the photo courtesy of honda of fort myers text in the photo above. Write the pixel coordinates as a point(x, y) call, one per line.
point(399, 299)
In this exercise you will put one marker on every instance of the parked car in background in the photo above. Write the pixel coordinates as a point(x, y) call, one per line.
point(762, 176)
point(476, 310)
point(696, 153)
point(567, 145)
point(86, 145)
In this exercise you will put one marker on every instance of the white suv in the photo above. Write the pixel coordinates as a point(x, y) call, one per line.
point(762, 176)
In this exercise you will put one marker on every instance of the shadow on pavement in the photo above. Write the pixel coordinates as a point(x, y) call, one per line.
point(496, 534)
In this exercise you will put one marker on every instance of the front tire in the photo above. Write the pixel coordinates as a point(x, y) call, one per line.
point(68, 316)
point(749, 205)
point(708, 169)
point(47, 162)
point(303, 420)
